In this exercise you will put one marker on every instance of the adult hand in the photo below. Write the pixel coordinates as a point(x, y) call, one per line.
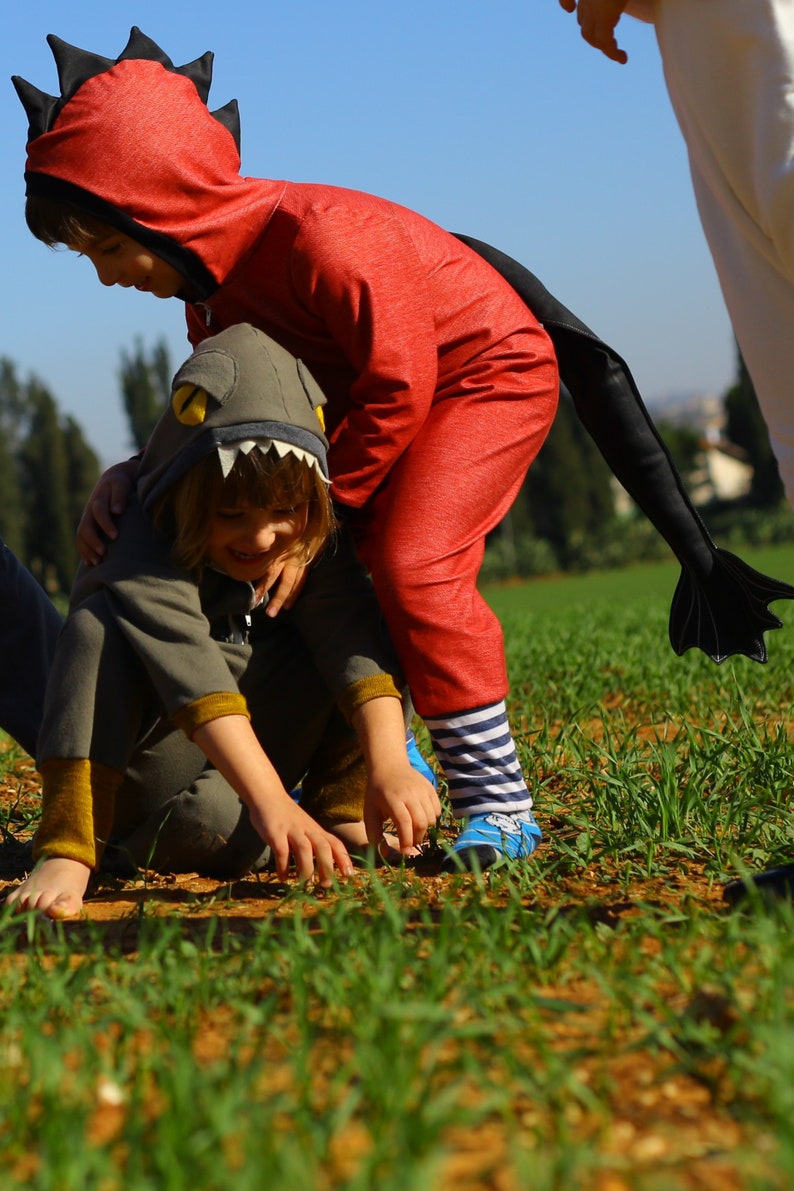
point(598, 20)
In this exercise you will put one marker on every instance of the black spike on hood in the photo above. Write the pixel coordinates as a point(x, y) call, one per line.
point(40, 108)
point(75, 67)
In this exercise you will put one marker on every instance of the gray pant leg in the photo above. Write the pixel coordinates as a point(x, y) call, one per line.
point(203, 827)
point(175, 813)
point(29, 628)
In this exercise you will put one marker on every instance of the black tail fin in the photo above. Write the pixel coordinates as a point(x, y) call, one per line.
point(726, 612)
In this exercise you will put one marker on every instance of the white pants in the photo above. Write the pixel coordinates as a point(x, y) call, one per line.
point(729, 66)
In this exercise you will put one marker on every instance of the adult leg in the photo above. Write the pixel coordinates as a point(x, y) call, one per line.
point(29, 628)
point(728, 66)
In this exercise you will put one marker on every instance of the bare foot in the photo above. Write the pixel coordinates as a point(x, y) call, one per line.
point(354, 837)
point(55, 887)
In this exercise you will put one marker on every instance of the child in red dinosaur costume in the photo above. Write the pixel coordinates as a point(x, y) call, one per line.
point(441, 383)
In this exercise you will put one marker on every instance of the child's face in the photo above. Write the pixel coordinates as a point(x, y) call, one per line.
point(119, 260)
point(245, 542)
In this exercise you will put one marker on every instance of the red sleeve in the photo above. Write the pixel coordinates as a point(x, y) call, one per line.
point(360, 273)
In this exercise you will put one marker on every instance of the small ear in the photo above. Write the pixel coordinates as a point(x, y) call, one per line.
point(316, 396)
point(209, 369)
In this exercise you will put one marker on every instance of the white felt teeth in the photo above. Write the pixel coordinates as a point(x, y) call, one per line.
point(228, 452)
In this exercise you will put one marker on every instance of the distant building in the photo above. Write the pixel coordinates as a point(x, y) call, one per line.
point(724, 475)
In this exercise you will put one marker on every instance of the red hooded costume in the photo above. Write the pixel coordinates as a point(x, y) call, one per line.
point(441, 384)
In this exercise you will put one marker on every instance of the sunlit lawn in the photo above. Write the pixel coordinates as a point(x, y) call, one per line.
point(597, 1019)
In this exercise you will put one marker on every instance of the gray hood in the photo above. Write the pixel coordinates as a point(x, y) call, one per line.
point(255, 389)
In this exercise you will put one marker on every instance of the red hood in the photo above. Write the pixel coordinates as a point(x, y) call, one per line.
point(139, 138)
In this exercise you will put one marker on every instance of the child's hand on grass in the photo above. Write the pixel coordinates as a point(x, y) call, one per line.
point(292, 833)
point(400, 794)
point(230, 744)
point(395, 790)
point(56, 887)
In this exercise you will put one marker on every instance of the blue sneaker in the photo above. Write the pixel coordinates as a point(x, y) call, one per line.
point(487, 840)
point(417, 760)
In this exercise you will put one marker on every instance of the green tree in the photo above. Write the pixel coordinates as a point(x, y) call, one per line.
point(12, 418)
point(685, 444)
point(50, 550)
point(145, 388)
point(47, 471)
point(568, 492)
point(745, 426)
point(82, 469)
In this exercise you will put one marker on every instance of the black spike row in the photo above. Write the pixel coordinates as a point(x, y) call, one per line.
point(76, 66)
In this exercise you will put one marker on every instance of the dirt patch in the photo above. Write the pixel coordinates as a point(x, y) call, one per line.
point(605, 896)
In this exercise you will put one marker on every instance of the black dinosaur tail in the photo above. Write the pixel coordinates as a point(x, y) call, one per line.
point(720, 604)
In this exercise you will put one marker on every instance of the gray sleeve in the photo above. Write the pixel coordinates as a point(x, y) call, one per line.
point(339, 619)
point(157, 607)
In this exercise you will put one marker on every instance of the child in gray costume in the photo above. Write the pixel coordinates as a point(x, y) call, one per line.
point(179, 713)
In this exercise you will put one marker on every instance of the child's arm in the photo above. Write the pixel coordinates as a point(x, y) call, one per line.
point(231, 745)
point(394, 789)
point(341, 624)
point(598, 20)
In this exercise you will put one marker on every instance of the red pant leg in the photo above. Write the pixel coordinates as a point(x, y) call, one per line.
point(426, 536)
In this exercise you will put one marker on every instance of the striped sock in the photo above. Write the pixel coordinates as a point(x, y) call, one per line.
point(478, 755)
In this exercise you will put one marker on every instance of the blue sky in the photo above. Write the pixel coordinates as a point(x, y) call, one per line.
point(496, 121)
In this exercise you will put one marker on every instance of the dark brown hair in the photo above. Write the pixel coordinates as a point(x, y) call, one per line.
point(56, 223)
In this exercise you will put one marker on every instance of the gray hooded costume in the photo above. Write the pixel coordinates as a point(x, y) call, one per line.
point(150, 652)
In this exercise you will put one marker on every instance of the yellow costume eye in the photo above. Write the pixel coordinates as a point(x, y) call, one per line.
point(320, 417)
point(189, 403)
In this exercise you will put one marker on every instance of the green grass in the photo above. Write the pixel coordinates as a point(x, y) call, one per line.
point(646, 582)
point(597, 1019)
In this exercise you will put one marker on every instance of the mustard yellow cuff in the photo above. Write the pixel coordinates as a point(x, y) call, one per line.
point(210, 707)
point(377, 686)
point(78, 800)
